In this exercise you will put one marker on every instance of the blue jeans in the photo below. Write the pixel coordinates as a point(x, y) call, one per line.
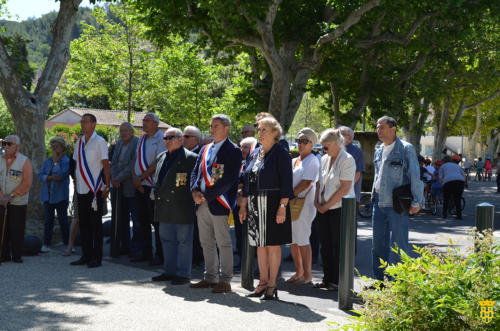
point(389, 229)
point(62, 214)
point(177, 243)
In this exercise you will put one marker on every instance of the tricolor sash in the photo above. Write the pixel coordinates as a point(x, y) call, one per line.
point(141, 158)
point(206, 170)
point(83, 167)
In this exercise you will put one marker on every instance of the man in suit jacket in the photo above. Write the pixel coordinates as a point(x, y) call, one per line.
point(123, 188)
point(214, 183)
point(174, 207)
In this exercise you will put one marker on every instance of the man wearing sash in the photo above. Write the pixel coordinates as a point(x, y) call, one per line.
point(214, 182)
point(92, 187)
point(16, 177)
point(149, 146)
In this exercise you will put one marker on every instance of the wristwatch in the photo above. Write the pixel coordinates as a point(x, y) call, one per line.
point(282, 205)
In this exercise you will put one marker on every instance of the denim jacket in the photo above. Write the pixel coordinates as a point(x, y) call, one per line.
point(54, 192)
point(400, 168)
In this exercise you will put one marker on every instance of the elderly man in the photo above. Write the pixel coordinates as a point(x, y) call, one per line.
point(16, 177)
point(192, 138)
point(92, 187)
point(123, 188)
point(214, 183)
point(247, 131)
point(148, 147)
point(174, 208)
point(395, 165)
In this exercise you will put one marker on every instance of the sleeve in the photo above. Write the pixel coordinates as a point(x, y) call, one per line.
point(103, 147)
point(285, 174)
point(348, 169)
point(311, 168)
point(27, 180)
point(360, 162)
point(194, 173)
point(43, 173)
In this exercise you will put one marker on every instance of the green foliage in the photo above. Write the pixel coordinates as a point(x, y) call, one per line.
point(436, 291)
point(6, 122)
point(16, 48)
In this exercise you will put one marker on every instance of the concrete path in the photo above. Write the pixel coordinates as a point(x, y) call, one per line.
point(45, 293)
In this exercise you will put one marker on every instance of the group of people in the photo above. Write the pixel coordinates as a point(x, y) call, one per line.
point(186, 190)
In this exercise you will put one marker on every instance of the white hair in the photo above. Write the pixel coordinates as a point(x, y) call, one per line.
point(13, 136)
point(345, 130)
point(128, 125)
point(177, 131)
point(194, 130)
point(250, 141)
point(154, 116)
point(330, 136)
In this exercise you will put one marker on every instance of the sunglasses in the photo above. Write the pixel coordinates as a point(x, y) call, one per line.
point(7, 143)
point(188, 136)
point(325, 148)
point(302, 141)
point(170, 137)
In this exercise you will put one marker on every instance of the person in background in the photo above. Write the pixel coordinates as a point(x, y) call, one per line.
point(452, 178)
point(305, 174)
point(268, 186)
point(436, 187)
point(480, 169)
point(123, 187)
point(488, 168)
point(16, 178)
point(497, 166)
point(247, 131)
point(336, 180)
point(54, 176)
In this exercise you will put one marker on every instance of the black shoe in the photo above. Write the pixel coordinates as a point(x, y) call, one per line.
point(17, 260)
point(180, 281)
point(141, 259)
point(94, 264)
point(156, 261)
point(162, 278)
point(258, 294)
point(271, 294)
point(80, 261)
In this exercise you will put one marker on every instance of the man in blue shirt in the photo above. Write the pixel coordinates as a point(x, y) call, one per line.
point(357, 154)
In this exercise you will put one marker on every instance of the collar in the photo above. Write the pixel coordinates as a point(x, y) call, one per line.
point(173, 155)
point(219, 144)
point(93, 135)
point(10, 158)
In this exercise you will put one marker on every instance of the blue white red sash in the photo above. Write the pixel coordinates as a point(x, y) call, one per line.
point(141, 158)
point(206, 170)
point(83, 167)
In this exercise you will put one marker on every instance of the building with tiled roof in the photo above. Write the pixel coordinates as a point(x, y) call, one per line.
point(72, 116)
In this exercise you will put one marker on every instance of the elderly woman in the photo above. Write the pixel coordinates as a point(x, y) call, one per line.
point(54, 176)
point(267, 189)
point(336, 178)
point(305, 174)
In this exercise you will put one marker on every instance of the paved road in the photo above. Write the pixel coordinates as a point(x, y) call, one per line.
point(46, 293)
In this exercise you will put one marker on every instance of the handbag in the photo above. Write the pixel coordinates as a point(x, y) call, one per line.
point(296, 205)
point(402, 198)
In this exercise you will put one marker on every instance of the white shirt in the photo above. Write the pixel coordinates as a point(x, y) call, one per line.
point(387, 149)
point(212, 156)
point(343, 168)
point(96, 150)
point(308, 169)
point(154, 146)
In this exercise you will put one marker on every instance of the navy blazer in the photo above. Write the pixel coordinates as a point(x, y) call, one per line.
point(275, 173)
point(230, 156)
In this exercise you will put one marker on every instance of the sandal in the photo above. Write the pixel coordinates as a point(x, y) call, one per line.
point(320, 285)
point(292, 279)
point(303, 281)
point(332, 287)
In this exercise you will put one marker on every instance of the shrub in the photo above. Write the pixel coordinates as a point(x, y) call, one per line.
point(436, 291)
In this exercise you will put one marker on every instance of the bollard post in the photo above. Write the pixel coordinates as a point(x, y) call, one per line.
point(347, 244)
point(247, 259)
point(485, 216)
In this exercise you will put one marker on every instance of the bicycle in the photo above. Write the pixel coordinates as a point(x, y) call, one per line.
point(365, 208)
point(452, 210)
point(435, 204)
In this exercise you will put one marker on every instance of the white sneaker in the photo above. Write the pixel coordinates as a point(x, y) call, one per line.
point(44, 249)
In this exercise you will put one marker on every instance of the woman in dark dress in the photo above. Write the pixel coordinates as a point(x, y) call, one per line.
point(267, 189)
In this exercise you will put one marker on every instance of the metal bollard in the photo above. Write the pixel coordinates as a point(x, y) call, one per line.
point(347, 244)
point(485, 216)
point(247, 259)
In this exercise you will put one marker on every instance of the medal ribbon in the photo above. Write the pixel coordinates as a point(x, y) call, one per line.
point(141, 158)
point(83, 167)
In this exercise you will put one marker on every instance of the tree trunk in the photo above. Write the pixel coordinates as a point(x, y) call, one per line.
point(335, 104)
point(441, 131)
point(472, 150)
point(415, 129)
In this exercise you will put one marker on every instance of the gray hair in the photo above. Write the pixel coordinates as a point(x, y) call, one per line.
point(330, 136)
point(58, 140)
point(154, 116)
point(226, 121)
point(273, 124)
point(345, 130)
point(177, 131)
point(391, 122)
point(310, 134)
point(248, 141)
point(127, 124)
point(13, 136)
point(195, 130)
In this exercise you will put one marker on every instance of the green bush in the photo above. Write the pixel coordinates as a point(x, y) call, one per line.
point(294, 152)
point(436, 291)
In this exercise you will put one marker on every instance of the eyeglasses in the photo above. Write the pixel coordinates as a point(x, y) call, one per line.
point(7, 143)
point(170, 137)
point(188, 136)
point(325, 148)
point(302, 141)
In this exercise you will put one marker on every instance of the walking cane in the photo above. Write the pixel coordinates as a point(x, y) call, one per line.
point(4, 225)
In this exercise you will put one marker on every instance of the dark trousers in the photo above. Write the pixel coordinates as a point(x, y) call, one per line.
point(314, 239)
point(329, 236)
point(238, 231)
point(146, 209)
point(13, 240)
point(62, 215)
point(498, 182)
point(197, 250)
point(126, 210)
point(90, 226)
point(453, 190)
